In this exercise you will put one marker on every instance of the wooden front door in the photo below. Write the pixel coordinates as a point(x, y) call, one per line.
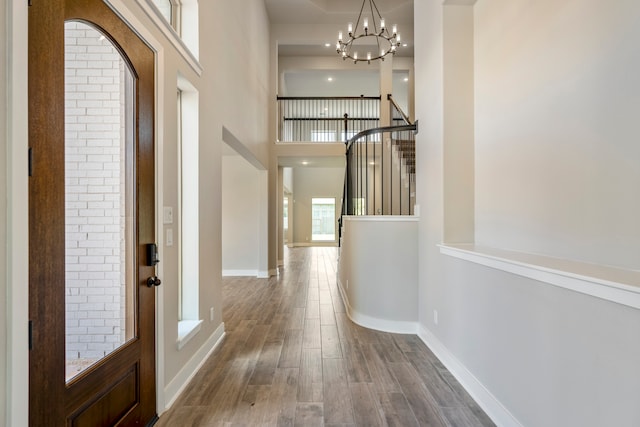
point(91, 218)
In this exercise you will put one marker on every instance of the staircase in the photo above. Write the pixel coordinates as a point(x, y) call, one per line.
point(381, 167)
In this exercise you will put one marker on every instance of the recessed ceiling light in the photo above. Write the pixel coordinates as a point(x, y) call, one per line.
point(330, 79)
point(305, 163)
point(406, 79)
point(327, 45)
point(405, 45)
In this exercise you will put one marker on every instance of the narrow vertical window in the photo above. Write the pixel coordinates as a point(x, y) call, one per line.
point(180, 15)
point(187, 107)
point(166, 9)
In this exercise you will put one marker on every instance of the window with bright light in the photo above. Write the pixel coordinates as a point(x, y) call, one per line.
point(182, 16)
point(187, 105)
point(323, 219)
point(170, 10)
point(323, 136)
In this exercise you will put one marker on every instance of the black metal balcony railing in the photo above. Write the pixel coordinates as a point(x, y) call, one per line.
point(326, 119)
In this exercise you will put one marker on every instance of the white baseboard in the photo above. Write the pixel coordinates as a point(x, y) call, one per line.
point(240, 273)
point(308, 244)
point(174, 389)
point(384, 325)
point(485, 399)
point(260, 274)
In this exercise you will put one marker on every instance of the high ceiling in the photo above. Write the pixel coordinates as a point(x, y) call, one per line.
point(334, 15)
point(334, 11)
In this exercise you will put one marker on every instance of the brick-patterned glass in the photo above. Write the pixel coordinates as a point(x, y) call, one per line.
point(98, 199)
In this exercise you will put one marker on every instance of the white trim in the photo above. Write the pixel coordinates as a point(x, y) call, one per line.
point(485, 399)
point(187, 329)
point(161, 23)
point(174, 389)
point(123, 11)
point(17, 274)
point(313, 244)
point(609, 283)
point(260, 274)
point(240, 273)
point(384, 325)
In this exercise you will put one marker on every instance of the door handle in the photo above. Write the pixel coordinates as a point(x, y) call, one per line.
point(153, 281)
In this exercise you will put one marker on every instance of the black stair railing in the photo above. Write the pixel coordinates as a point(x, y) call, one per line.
point(326, 119)
point(381, 169)
point(398, 117)
point(380, 172)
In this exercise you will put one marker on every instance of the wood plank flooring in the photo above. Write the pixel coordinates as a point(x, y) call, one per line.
point(292, 357)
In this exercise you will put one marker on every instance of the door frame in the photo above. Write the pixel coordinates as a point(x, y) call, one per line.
point(17, 348)
point(145, 34)
point(17, 343)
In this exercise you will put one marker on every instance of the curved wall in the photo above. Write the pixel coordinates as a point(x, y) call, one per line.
point(378, 272)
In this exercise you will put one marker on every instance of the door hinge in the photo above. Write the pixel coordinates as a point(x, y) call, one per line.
point(30, 161)
point(30, 335)
point(29, 2)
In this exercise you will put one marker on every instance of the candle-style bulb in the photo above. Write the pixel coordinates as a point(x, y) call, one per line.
point(395, 29)
point(339, 35)
point(366, 24)
point(382, 24)
point(350, 27)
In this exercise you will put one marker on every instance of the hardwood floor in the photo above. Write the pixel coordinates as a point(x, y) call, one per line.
point(292, 357)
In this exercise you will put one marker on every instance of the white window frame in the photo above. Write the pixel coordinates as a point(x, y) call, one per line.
point(189, 321)
point(186, 41)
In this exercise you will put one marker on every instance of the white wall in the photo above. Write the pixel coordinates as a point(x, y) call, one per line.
point(240, 217)
point(14, 192)
point(554, 95)
point(4, 289)
point(556, 169)
point(378, 272)
point(287, 179)
point(313, 182)
point(233, 94)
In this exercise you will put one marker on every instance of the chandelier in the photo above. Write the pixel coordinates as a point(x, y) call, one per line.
point(375, 36)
